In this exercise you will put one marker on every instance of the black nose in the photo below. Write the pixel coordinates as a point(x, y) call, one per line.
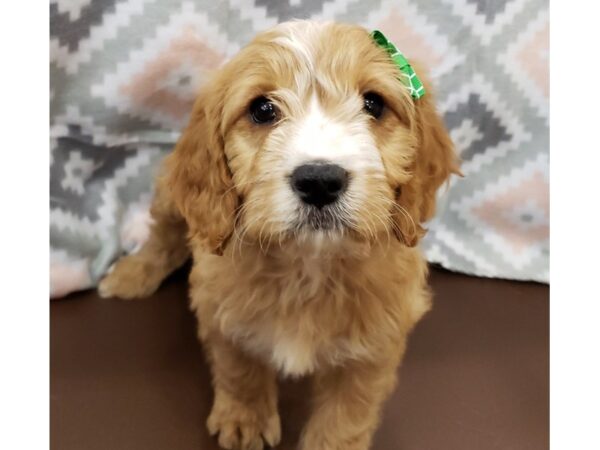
point(319, 184)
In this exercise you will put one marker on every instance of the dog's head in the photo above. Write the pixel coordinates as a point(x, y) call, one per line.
point(309, 131)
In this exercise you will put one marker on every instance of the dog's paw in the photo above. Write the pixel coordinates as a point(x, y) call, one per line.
point(241, 427)
point(132, 277)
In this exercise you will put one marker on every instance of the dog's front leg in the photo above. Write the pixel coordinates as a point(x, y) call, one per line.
point(244, 412)
point(139, 275)
point(346, 406)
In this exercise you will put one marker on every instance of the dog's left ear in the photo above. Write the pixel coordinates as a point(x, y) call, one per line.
point(435, 160)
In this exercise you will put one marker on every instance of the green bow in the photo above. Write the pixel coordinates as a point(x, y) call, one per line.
point(409, 78)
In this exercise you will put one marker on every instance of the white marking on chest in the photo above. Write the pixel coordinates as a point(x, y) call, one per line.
point(294, 353)
point(293, 356)
point(287, 351)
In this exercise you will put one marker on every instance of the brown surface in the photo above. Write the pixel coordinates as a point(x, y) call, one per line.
point(131, 375)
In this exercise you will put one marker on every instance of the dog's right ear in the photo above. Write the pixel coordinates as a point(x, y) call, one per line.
point(435, 160)
point(199, 178)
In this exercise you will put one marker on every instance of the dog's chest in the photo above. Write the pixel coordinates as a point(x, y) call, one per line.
point(297, 320)
point(290, 351)
point(294, 349)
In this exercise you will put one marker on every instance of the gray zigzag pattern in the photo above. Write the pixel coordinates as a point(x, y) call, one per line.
point(71, 32)
point(101, 252)
point(239, 25)
point(284, 10)
point(490, 8)
point(487, 56)
point(106, 163)
point(476, 111)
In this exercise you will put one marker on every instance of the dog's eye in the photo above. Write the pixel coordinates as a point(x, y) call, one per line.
point(373, 104)
point(262, 110)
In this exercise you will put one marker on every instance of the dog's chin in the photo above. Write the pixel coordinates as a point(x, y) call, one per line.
point(326, 232)
point(328, 220)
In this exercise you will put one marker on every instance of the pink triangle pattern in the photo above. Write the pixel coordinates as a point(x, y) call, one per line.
point(152, 88)
point(520, 215)
point(404, 36)
point(533, 57)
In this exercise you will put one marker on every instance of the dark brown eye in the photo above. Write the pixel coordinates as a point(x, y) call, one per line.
point(373, 104)
point(262, 110)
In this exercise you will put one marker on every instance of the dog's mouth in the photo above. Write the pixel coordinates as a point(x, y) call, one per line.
point(329, 218)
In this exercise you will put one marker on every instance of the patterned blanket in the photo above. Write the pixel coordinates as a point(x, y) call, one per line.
point(124, 74)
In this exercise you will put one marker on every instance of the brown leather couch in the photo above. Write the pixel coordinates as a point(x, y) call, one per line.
point(131, 375)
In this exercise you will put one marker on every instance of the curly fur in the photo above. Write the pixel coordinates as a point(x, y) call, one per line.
point(273, 295)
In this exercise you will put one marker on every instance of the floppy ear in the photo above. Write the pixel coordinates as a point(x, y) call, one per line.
point(199, 178)
point(435, 160)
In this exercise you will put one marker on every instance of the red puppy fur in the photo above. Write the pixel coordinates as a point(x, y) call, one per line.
point(280, 287)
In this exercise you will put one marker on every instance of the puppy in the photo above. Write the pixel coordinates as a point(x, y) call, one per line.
point(299, 187)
